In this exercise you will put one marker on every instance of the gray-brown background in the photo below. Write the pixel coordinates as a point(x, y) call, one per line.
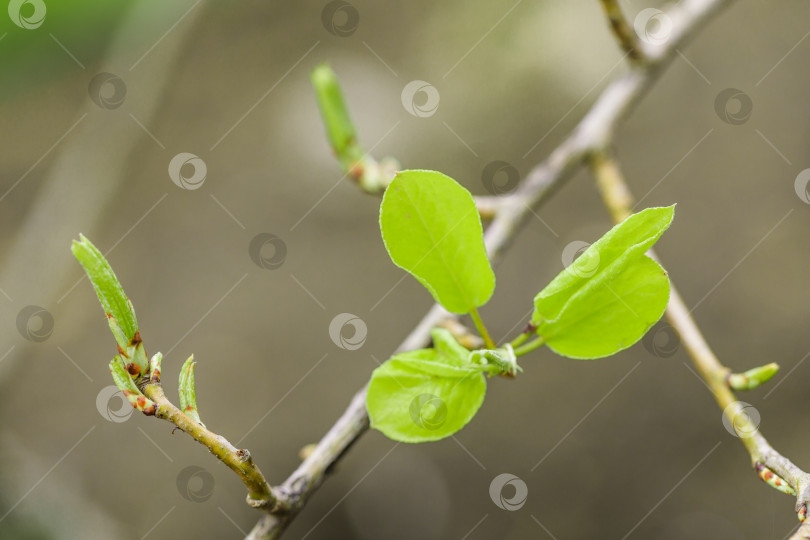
point(738, 251)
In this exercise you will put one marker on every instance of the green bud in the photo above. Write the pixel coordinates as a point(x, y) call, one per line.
point(339, 127)
point(154, 368)
point(753, 377)
point(188, 395)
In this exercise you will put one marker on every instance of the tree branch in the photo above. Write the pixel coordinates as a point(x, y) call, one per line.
point(260, 493)
point(618, 200)
point(593, 133)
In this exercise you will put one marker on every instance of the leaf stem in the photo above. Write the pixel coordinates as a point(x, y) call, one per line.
point(530, 346)
point(482, 329)
point(520, 340)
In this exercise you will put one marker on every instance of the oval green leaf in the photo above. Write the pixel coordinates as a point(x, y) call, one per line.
point(424, 395)
point(608, 298)
point(431, 228)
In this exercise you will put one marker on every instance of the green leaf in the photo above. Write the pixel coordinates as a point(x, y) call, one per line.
point(425, 395)
point(609, 297)
point(108, 289)
point(431, 228)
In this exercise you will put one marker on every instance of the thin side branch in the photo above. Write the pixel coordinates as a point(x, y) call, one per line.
point(628, 40)
point(260, 493)
point(593, 133)
point(618, 200)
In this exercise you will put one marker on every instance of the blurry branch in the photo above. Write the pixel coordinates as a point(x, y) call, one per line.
point(593, 133)
point(764, 458)
point(627, 37)
point(802, 533)
point(463, 335)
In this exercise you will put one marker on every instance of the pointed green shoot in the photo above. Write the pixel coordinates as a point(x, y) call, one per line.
point(339, 127)
point(188, 395)
point(121, 315)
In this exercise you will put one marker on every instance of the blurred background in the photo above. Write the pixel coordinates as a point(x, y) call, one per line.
point(98, 98)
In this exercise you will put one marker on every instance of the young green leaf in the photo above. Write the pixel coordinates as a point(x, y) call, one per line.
point(609, 297)
point(425, 395)
point(431, 228)
point(108, 289)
